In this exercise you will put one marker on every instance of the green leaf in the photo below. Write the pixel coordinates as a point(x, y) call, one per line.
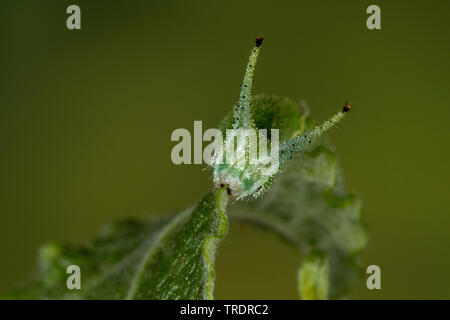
point(308, 204)
point(167, 258)
point(313, 277)
point(173, 257)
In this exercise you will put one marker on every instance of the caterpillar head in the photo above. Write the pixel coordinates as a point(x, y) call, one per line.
point(251, 154)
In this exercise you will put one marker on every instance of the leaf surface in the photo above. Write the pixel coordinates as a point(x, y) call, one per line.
point(166, 258)
point(173, 257)
point(308, 204)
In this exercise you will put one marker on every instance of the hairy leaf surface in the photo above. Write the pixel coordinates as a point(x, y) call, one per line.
point(166, 258)
point(173, 257)
point(308, 204)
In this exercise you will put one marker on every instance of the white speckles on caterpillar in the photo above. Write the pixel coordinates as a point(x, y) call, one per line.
point(247, 175)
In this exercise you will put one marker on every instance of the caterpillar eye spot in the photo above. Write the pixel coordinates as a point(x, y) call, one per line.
point(229, 191)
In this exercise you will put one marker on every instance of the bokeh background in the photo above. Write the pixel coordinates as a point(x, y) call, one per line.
point(86, 118)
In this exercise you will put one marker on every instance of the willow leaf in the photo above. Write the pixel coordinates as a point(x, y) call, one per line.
point(308, 204)
point(313, 277)
point(166, 258)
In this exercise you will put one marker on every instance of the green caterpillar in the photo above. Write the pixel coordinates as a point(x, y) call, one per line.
point(247, 174)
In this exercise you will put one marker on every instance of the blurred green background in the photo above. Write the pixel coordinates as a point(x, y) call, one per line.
point(86, 118)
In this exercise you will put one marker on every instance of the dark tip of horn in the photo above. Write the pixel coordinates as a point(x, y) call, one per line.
point(259, 40)
point(346, 107)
